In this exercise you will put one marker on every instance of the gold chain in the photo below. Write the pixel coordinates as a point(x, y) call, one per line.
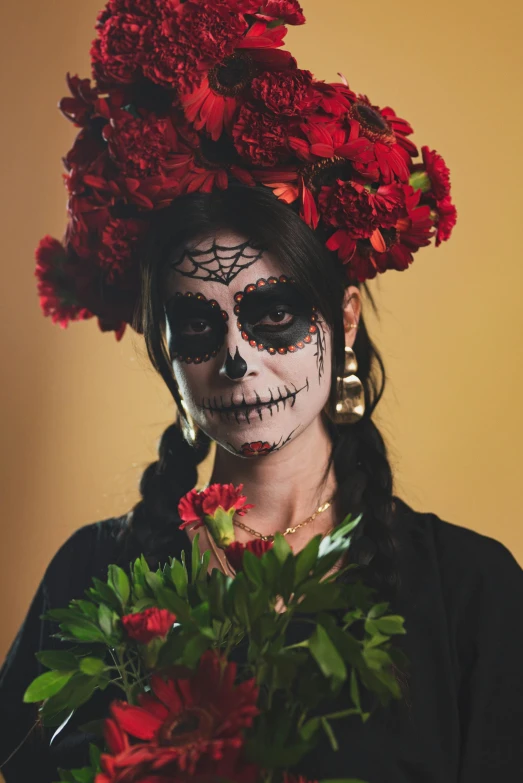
point(289, 530)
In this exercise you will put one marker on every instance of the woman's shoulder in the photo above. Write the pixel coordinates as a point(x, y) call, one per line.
point(466, 561)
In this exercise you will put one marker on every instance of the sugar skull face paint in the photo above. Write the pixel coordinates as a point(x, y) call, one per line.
point(250, 353)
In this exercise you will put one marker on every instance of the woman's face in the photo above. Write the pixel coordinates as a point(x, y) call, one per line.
point(251, 357)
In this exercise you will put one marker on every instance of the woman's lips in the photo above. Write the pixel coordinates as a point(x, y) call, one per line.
point(244, 407)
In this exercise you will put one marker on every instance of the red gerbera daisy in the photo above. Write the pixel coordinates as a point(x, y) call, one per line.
point(186, 727)
point(212, 105)
point(388, 133)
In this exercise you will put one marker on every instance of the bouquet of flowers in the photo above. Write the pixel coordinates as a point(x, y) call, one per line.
point(222, 680)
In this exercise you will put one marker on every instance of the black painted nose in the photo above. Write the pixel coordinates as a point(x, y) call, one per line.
point(235, 367)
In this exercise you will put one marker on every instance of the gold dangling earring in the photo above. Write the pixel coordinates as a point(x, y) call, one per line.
point(350, 402)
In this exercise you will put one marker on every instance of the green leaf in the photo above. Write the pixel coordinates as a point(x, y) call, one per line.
point(354, 689)
point(76, 692)
point(57, 659)
point(281, 548)
point(87, 608)
point(326, 655)
point(391, 624)
point(204, 566)
point(195, 558)
point(309, 729)
point(94, 756)
point(46, 685)
point(92, 666)
point(194, 649)
point(376, 659)
point(378, 610)
point(306, 559)
point(330, 734)
point(252, 568)
point(105, 619)
point(106, 593)
point(119, 581)
point(83, 630)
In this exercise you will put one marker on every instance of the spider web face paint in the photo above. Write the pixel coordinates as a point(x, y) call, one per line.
point(273, 316)
point(218, 263)
point(197, 327)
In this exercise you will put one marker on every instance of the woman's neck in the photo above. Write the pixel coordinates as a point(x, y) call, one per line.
point(285, 486)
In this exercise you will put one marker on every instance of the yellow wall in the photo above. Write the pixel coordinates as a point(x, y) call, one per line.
point(82, 414)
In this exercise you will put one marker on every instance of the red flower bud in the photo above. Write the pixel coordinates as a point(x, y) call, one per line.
point(149, 624)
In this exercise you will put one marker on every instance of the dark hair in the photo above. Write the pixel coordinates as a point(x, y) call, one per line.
point(359, 454)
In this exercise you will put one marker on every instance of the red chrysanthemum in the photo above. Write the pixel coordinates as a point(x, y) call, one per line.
point(149, 624)
point(79, 107)
point(235, 551)
point(186, 727)
point(286, 92)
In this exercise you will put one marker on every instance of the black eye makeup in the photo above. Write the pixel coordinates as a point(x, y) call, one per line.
point(272, 315)
point(197, 326)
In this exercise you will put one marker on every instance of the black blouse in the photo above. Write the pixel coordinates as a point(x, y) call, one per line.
point(462, 597)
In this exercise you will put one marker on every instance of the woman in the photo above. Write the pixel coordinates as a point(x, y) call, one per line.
point(271, 417)
point(249, 297)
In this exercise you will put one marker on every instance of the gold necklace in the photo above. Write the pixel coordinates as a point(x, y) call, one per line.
point(289, 530)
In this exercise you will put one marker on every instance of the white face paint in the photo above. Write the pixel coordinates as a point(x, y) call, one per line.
point(251, 357)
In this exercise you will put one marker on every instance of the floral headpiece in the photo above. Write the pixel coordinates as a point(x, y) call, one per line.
point(192, 95)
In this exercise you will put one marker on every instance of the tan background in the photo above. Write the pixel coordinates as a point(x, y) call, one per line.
point(82, 414)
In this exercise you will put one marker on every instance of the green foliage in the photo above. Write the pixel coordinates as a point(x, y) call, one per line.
point(331, 640)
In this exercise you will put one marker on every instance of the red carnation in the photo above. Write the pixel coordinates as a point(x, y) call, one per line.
point(290, 11)
point(149, 624)
point(287, 11)
point(121, 242)
point(215, 507)
point(121, 47)
point(261, 137)
point(388, 248)
point(187, 729)
point(190, 40)
point(144, 147)
point(360, 210)
point(235, 551)
point(57, 278)
point(286, 92)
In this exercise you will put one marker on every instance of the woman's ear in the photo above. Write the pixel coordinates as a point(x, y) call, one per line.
point(351, 313)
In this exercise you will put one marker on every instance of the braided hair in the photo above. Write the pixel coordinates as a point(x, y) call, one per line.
point(359, 455)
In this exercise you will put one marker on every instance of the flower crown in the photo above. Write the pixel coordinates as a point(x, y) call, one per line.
point(192, 95)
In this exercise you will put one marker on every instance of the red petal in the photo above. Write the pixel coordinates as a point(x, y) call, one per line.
point(135, 720)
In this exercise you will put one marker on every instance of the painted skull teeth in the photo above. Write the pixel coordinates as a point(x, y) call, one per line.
point(242, 411)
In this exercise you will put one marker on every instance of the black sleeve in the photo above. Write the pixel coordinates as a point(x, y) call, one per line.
point(490, 647)
point(24, 745)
